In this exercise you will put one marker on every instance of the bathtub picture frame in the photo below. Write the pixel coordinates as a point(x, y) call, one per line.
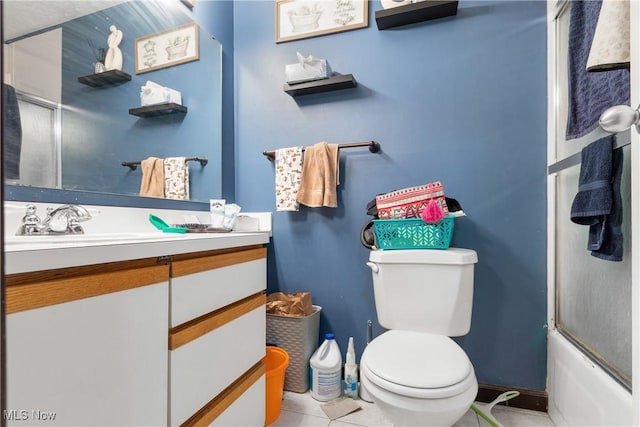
point(300, 19)
point(174, 46)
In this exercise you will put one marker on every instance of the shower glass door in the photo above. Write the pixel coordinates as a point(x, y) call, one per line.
point(593, 297)
point(41, 143)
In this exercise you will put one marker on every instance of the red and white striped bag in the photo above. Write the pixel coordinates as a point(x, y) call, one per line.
point(410, 202)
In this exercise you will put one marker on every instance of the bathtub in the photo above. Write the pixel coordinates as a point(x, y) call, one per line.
point(580, 392)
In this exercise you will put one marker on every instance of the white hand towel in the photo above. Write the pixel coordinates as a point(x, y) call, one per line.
point(288, 175)
point(176, 178)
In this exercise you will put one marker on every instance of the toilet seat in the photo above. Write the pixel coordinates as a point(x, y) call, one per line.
point(418, 365)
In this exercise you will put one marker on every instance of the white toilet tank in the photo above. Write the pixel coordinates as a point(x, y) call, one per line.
point(424, 290)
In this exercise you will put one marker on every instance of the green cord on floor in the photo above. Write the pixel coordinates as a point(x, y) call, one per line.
point(487, 418)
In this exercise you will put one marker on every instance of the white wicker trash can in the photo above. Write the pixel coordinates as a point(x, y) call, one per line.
point(299, 337)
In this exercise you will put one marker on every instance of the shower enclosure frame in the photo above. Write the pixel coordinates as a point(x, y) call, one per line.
point(580, 391)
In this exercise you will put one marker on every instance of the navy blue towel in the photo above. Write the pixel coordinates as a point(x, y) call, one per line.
point(598, 203)
point(12, 132)
point(589, 93)
point(608, 239)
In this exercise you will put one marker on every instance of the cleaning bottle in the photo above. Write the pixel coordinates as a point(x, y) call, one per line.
point(325, 374)
point(350, 385)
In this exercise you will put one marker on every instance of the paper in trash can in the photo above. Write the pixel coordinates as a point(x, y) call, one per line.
point(293, 305)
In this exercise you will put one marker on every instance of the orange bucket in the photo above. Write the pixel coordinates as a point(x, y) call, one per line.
point(276, 362)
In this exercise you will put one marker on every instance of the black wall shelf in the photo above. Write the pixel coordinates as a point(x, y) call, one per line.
point(421, 11)
point(158, 110)
point(107, 78)
point(339, 82)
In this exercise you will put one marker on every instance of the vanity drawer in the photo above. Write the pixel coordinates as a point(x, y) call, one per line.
point(238, 415)
point(204, 361)
point(241, 404)
point(203, 284)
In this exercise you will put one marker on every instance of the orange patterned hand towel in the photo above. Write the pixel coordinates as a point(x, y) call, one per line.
point(176, 178)
point(319, 176)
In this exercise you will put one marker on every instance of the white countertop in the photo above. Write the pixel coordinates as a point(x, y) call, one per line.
point(127, 235)
point(39, 256)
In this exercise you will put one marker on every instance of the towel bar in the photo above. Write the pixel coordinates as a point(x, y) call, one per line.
point(576, 158)
point(374, 147)
point(134, 165)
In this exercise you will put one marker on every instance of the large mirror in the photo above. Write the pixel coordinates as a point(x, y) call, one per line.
point(77, 123)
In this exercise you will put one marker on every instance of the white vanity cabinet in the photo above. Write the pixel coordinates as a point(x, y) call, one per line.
point(217, 338)
point(167, 340)
point(87, 346)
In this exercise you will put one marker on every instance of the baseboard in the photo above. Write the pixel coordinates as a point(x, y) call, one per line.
point(534, 400)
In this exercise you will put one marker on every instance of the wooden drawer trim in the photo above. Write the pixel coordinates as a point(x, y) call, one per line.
point(84, 270)
point(222, 401)
point(183, 266)
point(44, 293)
point(193, 329)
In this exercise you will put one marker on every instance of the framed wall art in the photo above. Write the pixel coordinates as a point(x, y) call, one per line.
point(299, 19)
point(174, 46)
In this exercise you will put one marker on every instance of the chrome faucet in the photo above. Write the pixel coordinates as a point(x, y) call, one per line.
point(61, 220)
point(30, 222)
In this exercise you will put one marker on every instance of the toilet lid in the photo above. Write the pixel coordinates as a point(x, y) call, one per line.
point(418, 360)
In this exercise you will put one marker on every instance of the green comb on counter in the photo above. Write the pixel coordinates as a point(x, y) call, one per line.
point(161, 225)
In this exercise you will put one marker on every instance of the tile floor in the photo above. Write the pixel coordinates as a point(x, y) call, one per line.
point(301, 410)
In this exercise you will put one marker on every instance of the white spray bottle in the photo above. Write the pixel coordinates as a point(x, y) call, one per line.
point(350, 386)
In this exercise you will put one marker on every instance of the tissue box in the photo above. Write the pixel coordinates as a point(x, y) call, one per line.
point(153, 93)
point(306, 72)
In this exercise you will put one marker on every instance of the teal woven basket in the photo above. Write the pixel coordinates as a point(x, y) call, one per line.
point(413, 233)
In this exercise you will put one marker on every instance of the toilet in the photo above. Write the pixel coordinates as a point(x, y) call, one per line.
point(414, 372)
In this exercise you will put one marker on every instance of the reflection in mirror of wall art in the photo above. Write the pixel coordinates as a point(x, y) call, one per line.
point(299, 19)
point(167, 48)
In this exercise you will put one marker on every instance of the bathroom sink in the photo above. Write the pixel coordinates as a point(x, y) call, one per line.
point(83, 238)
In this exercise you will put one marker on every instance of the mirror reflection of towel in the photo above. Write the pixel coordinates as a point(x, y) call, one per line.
point(152, 184)
point(176, 178)
point(12, 132)
point(319, 176)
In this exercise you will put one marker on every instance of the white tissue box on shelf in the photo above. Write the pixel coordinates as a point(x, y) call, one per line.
point(307, 69)
point(153, 93)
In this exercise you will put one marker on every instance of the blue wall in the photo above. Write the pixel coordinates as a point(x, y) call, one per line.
point(216, 16)
point(461, 100)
